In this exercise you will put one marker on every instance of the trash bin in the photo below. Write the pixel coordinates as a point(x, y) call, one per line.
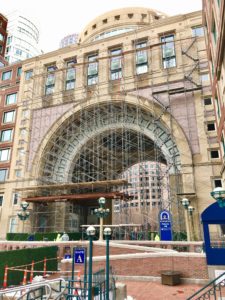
point(169, 277)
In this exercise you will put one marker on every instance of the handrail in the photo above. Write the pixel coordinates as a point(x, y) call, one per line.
point(211, 283)
point(34, 286)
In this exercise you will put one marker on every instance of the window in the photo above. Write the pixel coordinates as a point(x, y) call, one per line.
point(214, 33)
point(70, 75)
point(207, 101)
point(28, 74)
point(9, 40)
point(217, 183)
point(50, 80)
point(6, 75)
point(19, 71)
point(15, 199)
point(4, 154)
point(197, 31)
point(205, 77)
point(1, 200)
point(3, 174)
point(12, 225)
point(217, 106)
point(11, 99)
point(211, 127)
point(18, 173)
point(1, 48)
point(6, 135)
point(8, 116)
point(168, 51)
point(214, 154)
point(116, 64)
point(1, 37)
point(92, 71)
point(141, 58)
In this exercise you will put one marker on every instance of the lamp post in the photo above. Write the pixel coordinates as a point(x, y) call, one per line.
point(191, 210)
point(107, 233)
point(185, 202)
point(101, 213)
point(90, 233)
point(23, 214)
point(219, 195)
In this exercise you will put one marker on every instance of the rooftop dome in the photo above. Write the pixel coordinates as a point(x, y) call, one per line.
point(119, 21)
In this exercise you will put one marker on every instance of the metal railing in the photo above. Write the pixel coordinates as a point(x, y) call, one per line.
point(48, 289)
point(214, 290)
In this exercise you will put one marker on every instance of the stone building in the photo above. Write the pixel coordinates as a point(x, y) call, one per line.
point(214, 21)
point(135, 88)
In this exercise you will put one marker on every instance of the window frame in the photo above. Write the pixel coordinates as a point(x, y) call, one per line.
point(8, 96)
point(139, 64)
point(116, 73)
point(28, 74)
point(7, 112)
point(70, 82)
point(1, 135)
point(92, 78)
point(167, 59)
point(50, 80)
point(8, 78)
point(5, 175)
point(8, 154)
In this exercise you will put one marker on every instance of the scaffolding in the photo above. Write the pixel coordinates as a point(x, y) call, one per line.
point(106, 135)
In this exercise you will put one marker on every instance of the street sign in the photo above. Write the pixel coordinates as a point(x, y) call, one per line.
point(165, 225)
point(79, 255)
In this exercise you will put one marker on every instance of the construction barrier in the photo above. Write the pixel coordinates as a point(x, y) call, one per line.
point(5, 277)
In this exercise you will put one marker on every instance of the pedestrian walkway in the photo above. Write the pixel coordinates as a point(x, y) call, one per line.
point(146, 290)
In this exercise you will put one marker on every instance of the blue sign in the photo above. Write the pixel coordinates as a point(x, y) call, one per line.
point(79, 255)
point(165, 225)
point(67, 256)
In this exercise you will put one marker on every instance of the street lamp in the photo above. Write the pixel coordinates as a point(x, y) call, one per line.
point(219, 195)
point(107, 233)
point(101, 213)
point(185, 202)
point(90, 233)
point(23, 214)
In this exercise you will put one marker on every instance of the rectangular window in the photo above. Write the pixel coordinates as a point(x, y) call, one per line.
point(1, 200)
point(141, 58)
point(6, 75)
point(214, 32)
point(12, 225)
point(70, 75)
point(92, 70)
point(50, 80)
point(116, 64)
point(198, 31)
point(4, 154)
point(214, 154)
point(6, 135)
point(19, 71)
point(205, 77)
point(3, 174)
point(28, 74)
point(217, 104)
point(11, 99)
point(15, 199)
point(168, 51)
point(211, 127)
point(8, 117)
point(208, 101)
point(217, 183)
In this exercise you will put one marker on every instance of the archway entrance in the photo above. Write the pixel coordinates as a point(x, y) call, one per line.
point(107, 142)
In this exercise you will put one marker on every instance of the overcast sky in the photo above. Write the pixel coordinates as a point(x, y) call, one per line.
point(56, 19)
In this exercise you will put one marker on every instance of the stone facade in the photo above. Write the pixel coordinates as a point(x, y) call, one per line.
point(170, 86)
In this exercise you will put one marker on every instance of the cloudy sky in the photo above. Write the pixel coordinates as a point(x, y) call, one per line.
point(57, 19)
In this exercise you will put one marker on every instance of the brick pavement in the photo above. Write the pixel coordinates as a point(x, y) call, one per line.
point(148, 290)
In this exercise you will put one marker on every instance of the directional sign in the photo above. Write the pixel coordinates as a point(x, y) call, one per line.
point(165, 225)
point(79, 255)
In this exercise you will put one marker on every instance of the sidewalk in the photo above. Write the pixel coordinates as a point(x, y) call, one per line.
point(145, 290)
